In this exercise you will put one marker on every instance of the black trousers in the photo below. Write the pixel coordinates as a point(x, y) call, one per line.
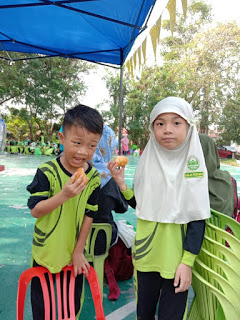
point(153, 289)
point(37, 295)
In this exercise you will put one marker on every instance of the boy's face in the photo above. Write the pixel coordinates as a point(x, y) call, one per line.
point(170, 130)
point(79, 147)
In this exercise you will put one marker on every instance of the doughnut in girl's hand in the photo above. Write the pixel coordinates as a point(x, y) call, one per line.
point(121, 161)
point(80, 172)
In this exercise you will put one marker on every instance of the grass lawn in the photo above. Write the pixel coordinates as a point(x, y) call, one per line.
point(230, 162)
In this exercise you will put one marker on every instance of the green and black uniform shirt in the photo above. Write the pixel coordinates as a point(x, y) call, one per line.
point(55, 234)
point(161, 247)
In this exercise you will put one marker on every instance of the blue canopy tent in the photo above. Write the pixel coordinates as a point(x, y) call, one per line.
point(100, 31)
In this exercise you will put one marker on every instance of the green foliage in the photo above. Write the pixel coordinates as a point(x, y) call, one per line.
point(198, 17)
point(144, 95)
point(229, 162)
point(200, 64)
point(229, 121)
point(16, 127)
point(112, 83)
point(44, 88)
point(205, 64)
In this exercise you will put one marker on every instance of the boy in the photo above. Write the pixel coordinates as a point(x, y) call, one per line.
point(65, 208)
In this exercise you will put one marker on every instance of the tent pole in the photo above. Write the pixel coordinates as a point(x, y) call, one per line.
point(120, 110)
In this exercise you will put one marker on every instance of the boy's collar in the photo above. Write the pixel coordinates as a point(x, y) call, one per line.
point(67, 172)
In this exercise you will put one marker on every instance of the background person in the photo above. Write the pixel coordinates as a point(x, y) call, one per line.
point(110, 199)
point(60, 145)
point(125, 143)
point(222, 187)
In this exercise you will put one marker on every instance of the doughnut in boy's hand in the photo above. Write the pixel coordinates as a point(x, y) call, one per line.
point(80, 172)
point(121, 161)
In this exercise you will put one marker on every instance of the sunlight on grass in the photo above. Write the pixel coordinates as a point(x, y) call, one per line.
point(230, 162)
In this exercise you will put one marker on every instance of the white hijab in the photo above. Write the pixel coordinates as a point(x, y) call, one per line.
point(171, 186)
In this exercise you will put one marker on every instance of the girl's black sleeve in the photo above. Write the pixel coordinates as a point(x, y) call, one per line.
point(194, 236)
point(132, 202)
point(130, 197)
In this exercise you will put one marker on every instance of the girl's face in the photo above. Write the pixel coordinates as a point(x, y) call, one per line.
point(170, 130)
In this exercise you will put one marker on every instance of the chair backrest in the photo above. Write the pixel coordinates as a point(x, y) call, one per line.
point(205, 296)
point(216, 277)
point(223, 222)
point(64, 300)
point(221, 267)
point(219, 283)
point(90, 244)
point(223, 237)
point(221, 251)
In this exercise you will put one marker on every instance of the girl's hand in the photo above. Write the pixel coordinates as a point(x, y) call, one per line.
point(183, 278)
point(118, 174)
point(71, 188)
point(80, 264)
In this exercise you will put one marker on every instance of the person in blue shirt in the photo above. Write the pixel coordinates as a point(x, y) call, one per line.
point(61, 146)
point(110, 199)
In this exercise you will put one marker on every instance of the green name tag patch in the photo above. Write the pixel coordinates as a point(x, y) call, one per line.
point(197, 174)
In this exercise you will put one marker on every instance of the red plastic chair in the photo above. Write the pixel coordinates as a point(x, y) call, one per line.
point(40, 272)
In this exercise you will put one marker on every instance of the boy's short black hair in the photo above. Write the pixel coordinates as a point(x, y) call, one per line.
point(84, 117)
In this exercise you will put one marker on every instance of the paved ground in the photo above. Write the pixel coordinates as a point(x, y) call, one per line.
point(16, 225)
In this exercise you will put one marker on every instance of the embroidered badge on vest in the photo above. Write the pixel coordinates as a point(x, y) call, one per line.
point(193, 164)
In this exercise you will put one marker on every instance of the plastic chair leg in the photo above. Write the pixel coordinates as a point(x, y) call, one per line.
point(99, 267)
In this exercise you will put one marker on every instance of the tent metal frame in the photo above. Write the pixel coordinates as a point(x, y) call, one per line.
point(62, 4)
point(23, 5)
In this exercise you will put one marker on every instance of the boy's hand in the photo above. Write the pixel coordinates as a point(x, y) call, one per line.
point(183, 278)
point(71, 188)
point(118, 174)
point(79, 263)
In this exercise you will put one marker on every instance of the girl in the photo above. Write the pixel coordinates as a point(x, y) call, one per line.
point(125, 143)
point(172, 203)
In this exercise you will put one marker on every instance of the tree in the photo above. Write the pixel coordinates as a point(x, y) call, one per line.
point(113, 85)
point(208, 71)
point(139, 98)
point(44, 87)
point(200, 64)
point(16, 126)
point(229, 121)
point(204, 64)
point(145, 93)
point(159, 82)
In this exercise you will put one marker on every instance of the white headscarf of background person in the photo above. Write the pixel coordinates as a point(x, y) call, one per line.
point(166, 190)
